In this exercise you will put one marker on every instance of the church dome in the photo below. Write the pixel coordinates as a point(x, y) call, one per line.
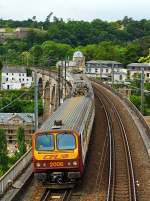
point(77, 54)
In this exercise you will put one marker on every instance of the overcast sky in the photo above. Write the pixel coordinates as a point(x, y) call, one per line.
point(75, 9)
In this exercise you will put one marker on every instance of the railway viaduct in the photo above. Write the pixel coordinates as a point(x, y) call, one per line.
point(50, 90)
point(135, 125)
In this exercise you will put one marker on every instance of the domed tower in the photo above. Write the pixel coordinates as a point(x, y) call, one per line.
point(79, 59)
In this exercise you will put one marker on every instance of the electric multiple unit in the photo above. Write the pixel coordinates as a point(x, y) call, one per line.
point(60, 146)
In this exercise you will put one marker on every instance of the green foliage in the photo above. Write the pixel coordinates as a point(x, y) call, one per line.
point(147, 86)
point(124, 40)
point(25, 104)
point(136, 101)
point(1, 65)
point(3, 151)
point(21, 141)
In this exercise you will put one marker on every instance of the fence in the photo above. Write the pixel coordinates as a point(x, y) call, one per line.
point(11, 175)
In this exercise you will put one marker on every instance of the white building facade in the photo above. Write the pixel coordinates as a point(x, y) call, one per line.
point(15, 78)
point(135, 70)
point(76, 64)
point(106, 69)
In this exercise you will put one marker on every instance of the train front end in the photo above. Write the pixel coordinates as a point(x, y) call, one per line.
point(56, 156)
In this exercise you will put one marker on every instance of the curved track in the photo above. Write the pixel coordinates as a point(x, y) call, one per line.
point(121, 177)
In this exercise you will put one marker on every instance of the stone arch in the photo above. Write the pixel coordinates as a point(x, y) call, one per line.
point(40, 86)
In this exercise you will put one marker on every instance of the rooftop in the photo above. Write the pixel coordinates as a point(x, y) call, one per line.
point(103, 62)
point(138, 65)
point(25, 117)
point(77, 54)
point(7, 69)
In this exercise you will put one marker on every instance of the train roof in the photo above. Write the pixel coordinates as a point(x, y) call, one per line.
point(71, 113)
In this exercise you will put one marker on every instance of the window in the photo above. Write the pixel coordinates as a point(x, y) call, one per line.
point(106, 70)
point(45, 142)
point(6, 78)
point(95, 70)
point(23, 79)
point(120, 77)
point(12, 78)
point(10, 131)
point(10, 139)
point(22, 74)
point(19, 74)
point(147, 74)
point(66, 141)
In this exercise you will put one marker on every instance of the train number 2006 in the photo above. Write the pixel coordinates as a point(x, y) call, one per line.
point(56, 164)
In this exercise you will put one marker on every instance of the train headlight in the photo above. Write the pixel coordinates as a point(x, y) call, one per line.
point(69, 163)
point(75, 163)
point(38, 164)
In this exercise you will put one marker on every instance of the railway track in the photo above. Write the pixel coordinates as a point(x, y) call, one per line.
point(63, 195)
point(120, 179)
point(121, 185)
point(50, 195)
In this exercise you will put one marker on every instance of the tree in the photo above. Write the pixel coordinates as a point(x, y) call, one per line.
point(145, 59)
point(3, 151)
point(136, 101)
point(21, 141)
point(49, 17)
point(1, 65)
point(34, 18)
point(37, 52)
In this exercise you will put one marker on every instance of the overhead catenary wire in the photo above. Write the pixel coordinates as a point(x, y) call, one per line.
point(17, 98)
point(1, 109)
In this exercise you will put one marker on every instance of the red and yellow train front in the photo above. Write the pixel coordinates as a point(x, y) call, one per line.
point(57, 150)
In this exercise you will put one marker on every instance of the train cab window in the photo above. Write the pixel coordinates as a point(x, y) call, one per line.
point(66, 141)
point(45, 142)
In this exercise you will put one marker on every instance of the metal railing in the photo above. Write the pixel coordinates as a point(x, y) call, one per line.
point(11, 175)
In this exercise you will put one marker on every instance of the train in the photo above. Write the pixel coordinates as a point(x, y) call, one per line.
point(60, 146)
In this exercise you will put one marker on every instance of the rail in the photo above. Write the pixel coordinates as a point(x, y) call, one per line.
point(110, 192)
point(110, 148)
point(130, 105)
point(11, 175)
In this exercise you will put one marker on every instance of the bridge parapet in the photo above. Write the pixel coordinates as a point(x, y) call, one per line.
point(11, 175)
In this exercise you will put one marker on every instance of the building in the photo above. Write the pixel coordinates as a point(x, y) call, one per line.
point(76, 64)
point(11, 121)
point(105, 70)
point(15, 78)
point(16, 33)
point(22, 32)
point(79, 60)
point(136, 68)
